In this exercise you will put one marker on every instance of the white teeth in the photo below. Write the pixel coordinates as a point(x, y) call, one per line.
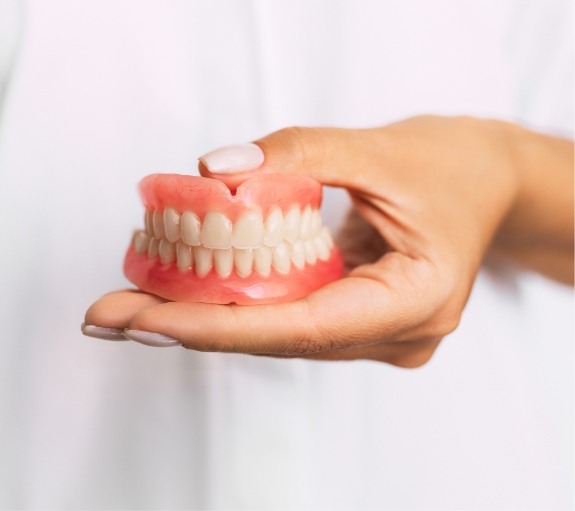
point(305, 226)
point(321, 249)
point(217, 231)
point(153, 248)
point(167, 251)
point(148, 222)
point(140, 242)
point(274, 228)
point(281, 257)
point(298, 254)
point(202, 260)
point(310, 253)
point(248, 245)
point(326, 236)
point(263, 260)
point(158, 223)
point(190, 229)
point(172, 224)
point(224, 261)
point(244, 260)
point(184, 255)
point(315, 223)
point(248, 230)
point(292, 224)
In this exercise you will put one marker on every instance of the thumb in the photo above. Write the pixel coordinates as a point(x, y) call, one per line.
point(331, 156)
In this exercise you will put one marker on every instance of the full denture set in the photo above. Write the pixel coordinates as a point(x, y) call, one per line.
point(201, 243)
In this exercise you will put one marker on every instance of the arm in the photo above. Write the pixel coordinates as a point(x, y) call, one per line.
point(538, 231)
point(432, 195)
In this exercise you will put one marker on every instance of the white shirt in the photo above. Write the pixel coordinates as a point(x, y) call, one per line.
point(101, 93)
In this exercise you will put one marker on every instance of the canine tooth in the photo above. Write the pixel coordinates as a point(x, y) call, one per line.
point(190, 229)
point(158, 223)
point(217, 230)
point(292, 224)
point(244, 260)
point(326, 236)
point(281, 257)
point(224, 261)
point(274, 228)
point(321, 248)
point(153, 248)
point(310, 253)
point(184, 256)
point(298, 254)
point(305, 225)
point(148, 222)
point(315, 223)
point(172, 224)
point(202, 260)
point(167, 251)
point(263, 260)
point(248, 230)
point(140, 242)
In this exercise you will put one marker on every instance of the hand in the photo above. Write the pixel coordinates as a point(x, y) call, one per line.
point(430, 195)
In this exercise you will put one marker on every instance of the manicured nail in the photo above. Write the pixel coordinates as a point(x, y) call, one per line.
point(233, 158)
point(100, 332)
point(151, 338)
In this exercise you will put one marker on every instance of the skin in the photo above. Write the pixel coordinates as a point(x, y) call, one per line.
point(432, 197)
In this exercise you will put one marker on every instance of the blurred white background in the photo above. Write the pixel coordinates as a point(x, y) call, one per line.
point(97, 94)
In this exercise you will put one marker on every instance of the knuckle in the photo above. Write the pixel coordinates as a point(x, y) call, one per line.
point(302, 144)
point(414, 359)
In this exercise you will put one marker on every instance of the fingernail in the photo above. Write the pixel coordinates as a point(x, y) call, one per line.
point(234, 158)
point(151, 338)
point(100, 332)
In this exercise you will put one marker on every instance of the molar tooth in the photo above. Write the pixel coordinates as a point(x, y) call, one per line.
point(202, 260)
point(326, 236)
point(158, 223)
point(263, 261)
point(315, 223)
point(310, 253)
point(190, 229)
point(292, 224)
point(153, 248)
point(248, 230)
point(224, 261)
point(305, 225)
point(274, 228)
point(167, 251)
point(321, 248)
point(244, 260)
point(217, 230)
point(140, 242)
point(281, 257)
point(184, 256)
point(149, 222)
point(298, 254)
point(172, 224)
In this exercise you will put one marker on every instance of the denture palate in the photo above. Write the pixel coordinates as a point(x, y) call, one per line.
point(251, 243)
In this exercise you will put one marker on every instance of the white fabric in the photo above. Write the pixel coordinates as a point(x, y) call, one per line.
point(105, 92)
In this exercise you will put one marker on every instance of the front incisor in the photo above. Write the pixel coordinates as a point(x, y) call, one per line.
point(244, 260)
point(224, 261)
point(248, 231)
point(217, 230)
